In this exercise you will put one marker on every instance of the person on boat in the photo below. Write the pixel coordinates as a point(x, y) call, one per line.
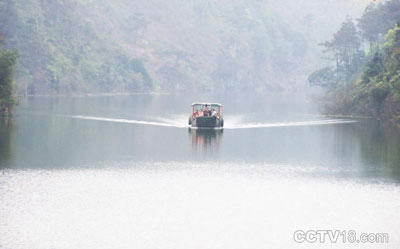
point(207, 112)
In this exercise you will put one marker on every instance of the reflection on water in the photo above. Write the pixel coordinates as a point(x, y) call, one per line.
point(380, 148)
point(69, 133)
point(124, 172)
point(206, 141)
point(6, 136)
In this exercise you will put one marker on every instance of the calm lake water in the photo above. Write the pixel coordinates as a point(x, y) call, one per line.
point(126, 172)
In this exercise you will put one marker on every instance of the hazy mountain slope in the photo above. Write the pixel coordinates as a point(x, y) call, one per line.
point(131, 45)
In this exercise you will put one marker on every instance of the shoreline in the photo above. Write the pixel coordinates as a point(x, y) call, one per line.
point(80, 95)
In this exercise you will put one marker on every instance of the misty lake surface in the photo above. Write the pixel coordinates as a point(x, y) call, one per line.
point(126, 172)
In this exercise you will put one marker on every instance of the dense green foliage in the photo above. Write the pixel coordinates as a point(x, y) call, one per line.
point(86, 46)
point(62, 51)
point(8, 61)
point(377, 91)
point(365, 82)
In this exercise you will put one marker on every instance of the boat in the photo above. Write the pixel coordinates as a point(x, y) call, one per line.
point(206, 115)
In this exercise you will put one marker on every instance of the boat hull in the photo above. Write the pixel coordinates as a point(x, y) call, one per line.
point(206, 122)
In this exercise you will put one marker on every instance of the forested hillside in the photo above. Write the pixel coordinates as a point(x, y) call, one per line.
point(364, 78)
point(89, 46)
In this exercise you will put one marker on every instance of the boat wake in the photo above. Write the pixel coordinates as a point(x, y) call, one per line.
point(290, 124)
point(129, 121)
point(237, 123)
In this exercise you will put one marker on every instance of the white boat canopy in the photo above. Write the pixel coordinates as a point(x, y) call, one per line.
point(208, 104)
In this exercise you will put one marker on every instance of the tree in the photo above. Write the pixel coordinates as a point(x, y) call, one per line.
point(346, 50)
point(373, 68)
point(392, 49)
point(370, 24)
point(8, 61)
point(377, 20)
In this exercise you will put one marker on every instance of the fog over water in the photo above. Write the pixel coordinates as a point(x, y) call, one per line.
point(131, 45)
